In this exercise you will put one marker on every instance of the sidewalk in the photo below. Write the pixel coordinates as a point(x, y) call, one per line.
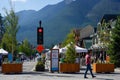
point(58, 76)
point(33, 75)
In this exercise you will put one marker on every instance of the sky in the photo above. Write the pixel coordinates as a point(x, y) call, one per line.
point(19, 5)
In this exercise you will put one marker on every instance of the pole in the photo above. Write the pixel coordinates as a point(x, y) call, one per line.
point(40, 22)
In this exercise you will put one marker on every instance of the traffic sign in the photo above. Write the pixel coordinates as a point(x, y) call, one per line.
point(40, 48)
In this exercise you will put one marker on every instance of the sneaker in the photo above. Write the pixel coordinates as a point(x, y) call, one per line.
point(93, 76)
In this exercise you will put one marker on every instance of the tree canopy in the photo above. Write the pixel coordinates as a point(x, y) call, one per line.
point(69, 39)
point(114, 46)
point(70, 55)
point(25, 47)
point(11, 28)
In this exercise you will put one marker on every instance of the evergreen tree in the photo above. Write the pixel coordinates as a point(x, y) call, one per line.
point(69, 39)
point(70, 55)
point(114, 47)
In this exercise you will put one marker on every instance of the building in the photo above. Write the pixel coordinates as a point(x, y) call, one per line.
point(85, 39)
point(101, 39)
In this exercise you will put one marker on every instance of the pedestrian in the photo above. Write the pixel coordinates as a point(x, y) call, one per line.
point(101, 57)
point(22, 58)
point(88, 64)
point(0, 59)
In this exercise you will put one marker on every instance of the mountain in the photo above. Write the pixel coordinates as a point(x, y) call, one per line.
point(59, 19)
point(104, 7)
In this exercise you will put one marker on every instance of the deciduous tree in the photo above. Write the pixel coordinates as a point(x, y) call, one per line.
point(11, 29)
point(114, 47)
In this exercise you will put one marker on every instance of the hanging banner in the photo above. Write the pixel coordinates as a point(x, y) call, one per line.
point(54, 60)
point(10, 57)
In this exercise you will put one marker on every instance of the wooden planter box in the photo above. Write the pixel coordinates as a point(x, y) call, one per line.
point(69, 67)
point(12, 68)
point(103, 67)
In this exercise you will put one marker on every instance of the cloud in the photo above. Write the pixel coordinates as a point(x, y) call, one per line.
point(18, 0)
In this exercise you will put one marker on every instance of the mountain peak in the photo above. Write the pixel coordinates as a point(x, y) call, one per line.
point(60, 18)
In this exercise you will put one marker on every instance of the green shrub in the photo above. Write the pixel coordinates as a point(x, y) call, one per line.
point(40, 66)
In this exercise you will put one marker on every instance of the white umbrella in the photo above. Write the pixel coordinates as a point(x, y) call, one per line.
point(80, 49)
point(77, 48)
point(56, 47)
point(4, 52)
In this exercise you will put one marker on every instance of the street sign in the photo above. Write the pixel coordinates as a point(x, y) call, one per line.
point(54, 60)
point(40, 48)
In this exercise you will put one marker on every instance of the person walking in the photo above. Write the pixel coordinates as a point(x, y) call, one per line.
point(101, 57)
point(0, 59)
point(88, 64)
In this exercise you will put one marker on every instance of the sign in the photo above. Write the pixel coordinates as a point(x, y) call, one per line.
point(10, 57)
point(54, 60)
point(40, 48)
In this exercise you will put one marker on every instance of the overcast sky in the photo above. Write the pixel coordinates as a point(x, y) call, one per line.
point(19, 5)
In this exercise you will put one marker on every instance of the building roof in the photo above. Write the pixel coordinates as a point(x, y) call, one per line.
point(86, 32)
point(108, 17)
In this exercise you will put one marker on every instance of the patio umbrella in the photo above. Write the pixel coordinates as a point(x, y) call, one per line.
point(80, 49)
point(77, 48)
point(3, 52)
point(55, 47)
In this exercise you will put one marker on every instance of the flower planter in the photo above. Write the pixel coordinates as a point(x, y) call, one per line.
point(103, 67)
point(12, 68)
point(39, 68)
point(69, 67)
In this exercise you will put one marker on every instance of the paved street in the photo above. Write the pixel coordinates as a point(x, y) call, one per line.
point(28, 66)
point(30, 74)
